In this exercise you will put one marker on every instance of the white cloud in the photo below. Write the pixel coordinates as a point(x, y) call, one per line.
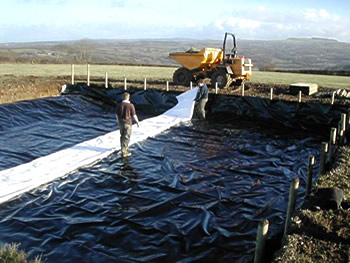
point(310, 14)
point(324, 14)
point(319, 15)
point(137, 19)
point(219, 24)
point(190, 24)
point(268, 24)
point(286, 27)
point(242, 23)
point(261, 8)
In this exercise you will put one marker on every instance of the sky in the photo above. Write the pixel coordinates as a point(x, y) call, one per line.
point(57, 20)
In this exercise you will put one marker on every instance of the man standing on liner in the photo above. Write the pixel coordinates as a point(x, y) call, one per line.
point(125, 113)
point(201, 99)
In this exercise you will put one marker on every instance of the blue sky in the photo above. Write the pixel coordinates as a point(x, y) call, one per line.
point(46, 20)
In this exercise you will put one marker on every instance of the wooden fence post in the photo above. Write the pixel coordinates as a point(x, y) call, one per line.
point(106, 80)
point(72, 73)
point(271, 93)
point(333, 95)
point(347, 122)
point(343, 121)
point(261, 237)
point(342, 127)
point(88, 74)
point(291, 203)
point(309, 175)
point(323, 157)
point(331, 145)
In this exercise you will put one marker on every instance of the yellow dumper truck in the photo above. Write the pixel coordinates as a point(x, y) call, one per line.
point(222, 66)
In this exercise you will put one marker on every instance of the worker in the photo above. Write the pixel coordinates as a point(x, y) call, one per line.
point(125, 113)
point(201, 99)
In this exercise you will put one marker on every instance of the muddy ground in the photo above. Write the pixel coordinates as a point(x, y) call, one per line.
point(316, 234)
point(17, 88)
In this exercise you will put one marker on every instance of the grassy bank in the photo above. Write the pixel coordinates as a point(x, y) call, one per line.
point(10, 253)
point(162, 73)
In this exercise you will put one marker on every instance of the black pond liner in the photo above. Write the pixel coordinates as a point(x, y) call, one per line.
point(193, 193)
point(35, 128)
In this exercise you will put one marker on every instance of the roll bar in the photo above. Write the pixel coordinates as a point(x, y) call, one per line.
point(234, 49)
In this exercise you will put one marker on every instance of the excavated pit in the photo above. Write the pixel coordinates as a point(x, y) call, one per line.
point(193, 193)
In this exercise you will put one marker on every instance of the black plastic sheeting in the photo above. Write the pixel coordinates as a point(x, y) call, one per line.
point(193, 193)
point(35, 128)
point(297, 116)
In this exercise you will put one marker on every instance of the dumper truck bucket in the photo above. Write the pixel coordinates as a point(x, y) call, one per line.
point(200, 59)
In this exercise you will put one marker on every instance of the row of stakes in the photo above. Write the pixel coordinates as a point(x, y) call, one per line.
point(326, 156)
point(191, 85)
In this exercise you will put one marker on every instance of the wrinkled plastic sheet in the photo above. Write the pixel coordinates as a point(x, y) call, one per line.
point(19, 179)
point(193, 193)
point(35, 128)
point(292, 115)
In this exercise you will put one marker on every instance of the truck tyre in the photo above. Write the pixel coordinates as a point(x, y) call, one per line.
point(220, 77)
point(182, 76)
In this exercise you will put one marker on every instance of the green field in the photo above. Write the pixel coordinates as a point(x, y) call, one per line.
point(162, 73)
point(336, 82)
point(114, 71)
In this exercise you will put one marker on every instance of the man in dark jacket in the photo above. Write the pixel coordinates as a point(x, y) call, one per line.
point(201, 99)
point(125, 113)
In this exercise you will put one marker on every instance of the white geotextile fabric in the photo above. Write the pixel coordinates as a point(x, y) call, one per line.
point(28, 176)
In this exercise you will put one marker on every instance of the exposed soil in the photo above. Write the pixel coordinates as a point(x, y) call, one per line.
point(17, 88)
point(322, 235)
point(316, 235)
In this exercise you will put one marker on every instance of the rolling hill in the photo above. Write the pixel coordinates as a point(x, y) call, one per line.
point(288, 54)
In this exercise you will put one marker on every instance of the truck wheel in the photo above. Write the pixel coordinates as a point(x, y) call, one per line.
point(182, 76)
point(219, 77)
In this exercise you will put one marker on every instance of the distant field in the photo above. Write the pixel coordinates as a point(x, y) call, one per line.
point(114, 71)
point(162, 73)
point(338, 82)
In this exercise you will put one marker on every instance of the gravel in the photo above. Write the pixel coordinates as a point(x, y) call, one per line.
point(322, 235)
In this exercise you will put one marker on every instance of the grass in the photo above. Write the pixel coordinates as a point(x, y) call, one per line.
point(9, 253)
point(114, 71)
point(163, 73)
point(338, 82)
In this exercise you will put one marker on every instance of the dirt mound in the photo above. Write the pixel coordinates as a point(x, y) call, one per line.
point(17, 88)
point(322, 235)
point(302, 248)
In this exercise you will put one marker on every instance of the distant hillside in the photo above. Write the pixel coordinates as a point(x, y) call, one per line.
point(289, 54)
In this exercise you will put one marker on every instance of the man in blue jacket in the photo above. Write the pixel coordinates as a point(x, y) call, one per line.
point(201, 99)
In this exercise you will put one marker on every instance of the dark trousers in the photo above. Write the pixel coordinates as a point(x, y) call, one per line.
point(199, 108)
point(125, 133)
